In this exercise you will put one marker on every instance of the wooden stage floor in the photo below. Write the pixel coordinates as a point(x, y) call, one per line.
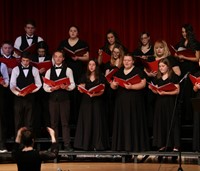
point(97, 164)
point(91, 166)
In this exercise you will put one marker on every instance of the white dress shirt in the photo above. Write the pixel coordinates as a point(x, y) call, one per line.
point(15, 74)
point(4, 72)
point(18, 41)
point(69, 74)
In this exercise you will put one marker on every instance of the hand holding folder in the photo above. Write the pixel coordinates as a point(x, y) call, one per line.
point(27, 90)
point(92, 90)
point(166, 87)
point(59, 82)
point(133, 80)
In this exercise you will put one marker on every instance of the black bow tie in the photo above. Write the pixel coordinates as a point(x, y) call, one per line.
point(25, 68)
point(58, 67)
point(29, 37)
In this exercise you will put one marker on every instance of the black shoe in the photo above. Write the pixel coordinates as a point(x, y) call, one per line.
point(68, 148)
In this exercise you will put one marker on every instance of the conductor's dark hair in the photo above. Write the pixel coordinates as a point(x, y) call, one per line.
point(27, 138)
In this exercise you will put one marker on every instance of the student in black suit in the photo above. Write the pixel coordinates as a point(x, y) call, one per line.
point(22, 76)
point(7, 53)
point(29, 38)
point(4, 82)
point(41, 112)
point(59, 102)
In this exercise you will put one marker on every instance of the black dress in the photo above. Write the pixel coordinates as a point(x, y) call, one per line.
point(129, 125)
point(109, 98)
point(186, 86)
point(138, 53)
point(196, 123)
point(91, 131)
point(78, 67)
point(164, 107)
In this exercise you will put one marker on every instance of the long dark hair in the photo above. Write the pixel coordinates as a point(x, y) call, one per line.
point(117, 40)
point(190, 36)
point(96, 72)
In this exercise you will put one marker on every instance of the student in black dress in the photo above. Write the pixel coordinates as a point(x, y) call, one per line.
point(196, 118)
point(77, 64)
point(115, 62)
point(161, 51)
point(188, 64)
point(42, 118)
point(145, 47)
point(22, 76)
point(29, 38)
point(4, 82)
point(59, 102)
point(111, 40)
point(129, 125)
point(24, 154)
point(92, 132)
point(165, 132)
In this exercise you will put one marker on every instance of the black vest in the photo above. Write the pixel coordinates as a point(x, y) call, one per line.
point(23, 81)
point(60, 94)
point(25, 44)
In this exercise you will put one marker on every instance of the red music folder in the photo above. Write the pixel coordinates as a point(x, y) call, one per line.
point(110, 74)
point(182, 51)
point(28, 89)
point(78, 52)
point(45, 64)
point(1, 79)
point(133, 80)
point(166, 87)
point(150, 66)
point(94, 89)
point(10, 63)
point(31, 49)
point(59, 82)
point(194, 79)
point(105, 57)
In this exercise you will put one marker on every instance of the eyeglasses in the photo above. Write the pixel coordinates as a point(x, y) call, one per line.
point(116, 52)
point(142, 38)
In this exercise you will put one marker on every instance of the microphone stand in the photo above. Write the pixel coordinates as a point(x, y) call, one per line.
point(180, 101)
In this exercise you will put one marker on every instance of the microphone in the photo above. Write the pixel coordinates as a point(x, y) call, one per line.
point(184, 77)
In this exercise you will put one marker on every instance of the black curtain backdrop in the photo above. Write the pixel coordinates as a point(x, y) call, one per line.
point(161, 18)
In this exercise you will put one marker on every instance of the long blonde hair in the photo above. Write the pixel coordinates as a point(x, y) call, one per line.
point(121, 55)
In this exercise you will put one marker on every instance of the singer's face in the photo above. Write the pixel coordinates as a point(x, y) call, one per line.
point(128, 62)
point(184, 34)
point(7, 49)
point(73, 32)
point(163, 68)
point(58, 58)
point(30, 29)
point(145, 39)
point(116, 53)
point(91, 66)
point(159, 51)
point(25, 61)
point(111, 38)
